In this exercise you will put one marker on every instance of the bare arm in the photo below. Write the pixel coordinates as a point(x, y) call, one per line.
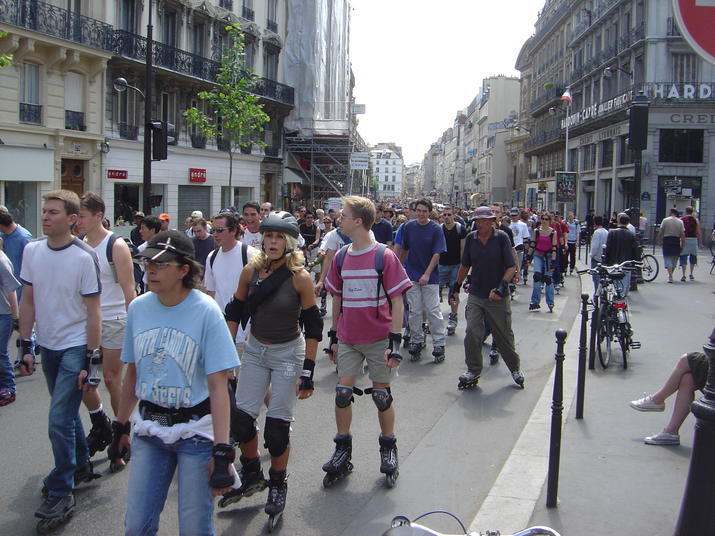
point(430, 268)
point(12, 299)
point(27, 312)
point(326, 267)
point(128, 399)
point(125, 270)
point(220, 408)
point(304, 286)
point(241, 294)
point(94, 321)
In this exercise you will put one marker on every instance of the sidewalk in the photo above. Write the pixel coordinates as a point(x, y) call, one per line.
point(609, 479)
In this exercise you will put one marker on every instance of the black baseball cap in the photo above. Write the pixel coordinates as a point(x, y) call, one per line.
point(168, 246)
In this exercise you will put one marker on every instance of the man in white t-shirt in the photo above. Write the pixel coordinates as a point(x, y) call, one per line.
point(61, 298)
point(118, 291)
point(251, 236)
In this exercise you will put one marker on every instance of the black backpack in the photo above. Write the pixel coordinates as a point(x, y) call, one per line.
point(244, 255)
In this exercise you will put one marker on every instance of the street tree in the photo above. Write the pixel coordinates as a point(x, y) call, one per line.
point(233, 112)
point(5, 59)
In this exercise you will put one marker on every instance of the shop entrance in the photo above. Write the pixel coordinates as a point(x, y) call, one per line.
point(72, 173)
point(677, 192)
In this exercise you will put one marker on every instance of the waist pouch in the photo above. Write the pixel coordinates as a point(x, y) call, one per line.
point(171, 416)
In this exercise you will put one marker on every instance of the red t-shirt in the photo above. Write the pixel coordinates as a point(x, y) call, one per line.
point(359, 322)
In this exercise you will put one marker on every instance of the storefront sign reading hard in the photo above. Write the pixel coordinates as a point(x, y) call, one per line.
point(197, 175)
point(117, 174)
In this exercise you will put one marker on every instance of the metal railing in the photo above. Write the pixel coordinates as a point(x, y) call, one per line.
point(128, 131)
point(198, 141)
point(551, 21)
point(273, 90)
point(74, 120)
point(601, 9)
point(542, 138)
point(31, 113)
point(548, 96)
point(56, 22)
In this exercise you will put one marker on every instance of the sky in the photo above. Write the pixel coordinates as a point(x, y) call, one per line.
point(418, 62)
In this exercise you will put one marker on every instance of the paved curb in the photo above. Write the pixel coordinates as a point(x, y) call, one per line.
point(510, 503)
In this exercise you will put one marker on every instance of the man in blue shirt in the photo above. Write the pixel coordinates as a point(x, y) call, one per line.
point(382, 229)
point(422, 243)
point(15, 237)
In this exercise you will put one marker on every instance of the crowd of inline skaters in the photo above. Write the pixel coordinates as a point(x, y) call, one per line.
point(198, 328)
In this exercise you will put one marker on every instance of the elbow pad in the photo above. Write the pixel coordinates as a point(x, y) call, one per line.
point(312, 323)
point(234, 310)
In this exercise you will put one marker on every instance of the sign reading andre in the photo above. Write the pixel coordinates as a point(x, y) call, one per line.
point(695, 20)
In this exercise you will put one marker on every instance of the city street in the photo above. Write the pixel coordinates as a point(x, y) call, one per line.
point(452, 445)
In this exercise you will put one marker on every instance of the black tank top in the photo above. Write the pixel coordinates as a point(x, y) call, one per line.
point(276, 318)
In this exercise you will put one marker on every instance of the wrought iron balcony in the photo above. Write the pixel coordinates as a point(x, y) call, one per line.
point(549, 23)
point(198, 141)
point(542, 138)
point(30, 113)
point(270, 89)
point(272, 25)
point(56, 22)
point(74, 120)
point(248, 13)
point(128, 132)
point(133, 46)
point(547, 97)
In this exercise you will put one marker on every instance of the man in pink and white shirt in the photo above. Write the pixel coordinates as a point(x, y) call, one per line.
point(367, 326)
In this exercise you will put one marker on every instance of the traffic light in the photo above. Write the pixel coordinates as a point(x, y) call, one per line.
point(162, 134)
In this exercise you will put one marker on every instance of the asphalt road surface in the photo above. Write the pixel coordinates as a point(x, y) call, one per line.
point(451, 444)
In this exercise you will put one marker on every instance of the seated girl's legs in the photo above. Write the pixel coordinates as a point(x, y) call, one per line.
point(683, 400)
point(672, 384)
point(152, 469)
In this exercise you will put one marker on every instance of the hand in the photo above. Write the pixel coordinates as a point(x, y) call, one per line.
point(302, 394)
point(319, 288)
point(517, 277)
point(391, 362)
point(453, 299)
point(215, 492)
point(493, 296)
point(220, 469)
point(424, 280)
point(27, 366)
point(82, 385)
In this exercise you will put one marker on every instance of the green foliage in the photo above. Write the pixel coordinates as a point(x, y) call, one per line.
point(234, 113)
point(5, 59)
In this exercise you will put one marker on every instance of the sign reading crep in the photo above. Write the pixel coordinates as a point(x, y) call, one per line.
point(597, 110)
point(197, 175)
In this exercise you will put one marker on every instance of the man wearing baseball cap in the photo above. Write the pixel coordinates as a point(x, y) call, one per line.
point(488, 254)
point(165, 221)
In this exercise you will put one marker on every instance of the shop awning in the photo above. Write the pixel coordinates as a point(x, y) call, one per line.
point(30, 164)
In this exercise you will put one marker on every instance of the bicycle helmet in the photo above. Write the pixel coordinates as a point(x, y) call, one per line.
point(283, 222)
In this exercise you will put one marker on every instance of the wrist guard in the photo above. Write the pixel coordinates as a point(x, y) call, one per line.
point(223, 456)
point(393, 344)
point(503, 289)
point(28, 347)
point(119, 429)
point(456, 287)
point(333, 339)
point(92, 361)
point(306, 377)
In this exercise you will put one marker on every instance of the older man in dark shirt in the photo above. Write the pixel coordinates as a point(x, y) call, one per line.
point(488, 254)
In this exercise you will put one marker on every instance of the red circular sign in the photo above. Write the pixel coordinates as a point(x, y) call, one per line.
point(696, 20)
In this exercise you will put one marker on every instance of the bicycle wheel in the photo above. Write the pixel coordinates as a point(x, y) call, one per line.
point(650, 267)
point(624, 342)
point(604, 336)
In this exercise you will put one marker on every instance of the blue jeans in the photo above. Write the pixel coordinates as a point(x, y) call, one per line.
point(447, 275)
point(594, 277)
point(151, 472)
point(624, 283)
point(543, 265)
point(69, 445)
point(7, 378)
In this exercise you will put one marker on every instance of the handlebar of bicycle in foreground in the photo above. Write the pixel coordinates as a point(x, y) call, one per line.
point(615, 267)
point(401, 526)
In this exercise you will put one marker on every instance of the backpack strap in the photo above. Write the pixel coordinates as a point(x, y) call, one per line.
point(110, 255)
point(380, 268)
point(212, 256)
point(339, 259)
point(244, 253)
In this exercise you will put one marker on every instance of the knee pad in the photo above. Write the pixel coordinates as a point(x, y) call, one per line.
point(382, 398)
point(538, 277)
point(244, 426)
point(548, 279)
point(276, 435)
point(343, 396)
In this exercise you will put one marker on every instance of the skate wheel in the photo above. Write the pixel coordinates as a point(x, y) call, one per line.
point(115, 467)
point(391, 478)
point(45, 526)
point(273, 521)
point(328, 481)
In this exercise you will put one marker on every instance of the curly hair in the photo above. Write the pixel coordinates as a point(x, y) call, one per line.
point(295, 260)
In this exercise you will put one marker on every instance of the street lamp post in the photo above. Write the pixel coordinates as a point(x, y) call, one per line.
point(638, 141)
point(120, 84)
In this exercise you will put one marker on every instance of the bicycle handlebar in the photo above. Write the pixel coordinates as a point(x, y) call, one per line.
point(613, 268)
point(401, 526)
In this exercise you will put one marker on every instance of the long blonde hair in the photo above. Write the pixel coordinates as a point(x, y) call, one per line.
point(295, 260)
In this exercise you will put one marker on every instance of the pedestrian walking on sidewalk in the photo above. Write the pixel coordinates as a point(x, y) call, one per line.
point(544, 254)
point(689, 375)
point(693, 240)
point(672, 239)
point(490, 257)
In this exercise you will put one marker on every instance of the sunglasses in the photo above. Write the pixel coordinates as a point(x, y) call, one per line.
point(146, 263)
point(221, 229)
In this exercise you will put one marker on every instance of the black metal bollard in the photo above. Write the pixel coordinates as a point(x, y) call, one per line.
point(697, 510)
point(557, 407)
point(592, 336)
point(581, 385)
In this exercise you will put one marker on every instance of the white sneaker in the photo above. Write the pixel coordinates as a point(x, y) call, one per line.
point(647, 404)
point(663, 438)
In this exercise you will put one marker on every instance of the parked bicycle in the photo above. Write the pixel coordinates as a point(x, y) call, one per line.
point(649, 271)
point(611, 309)
point(402, 526)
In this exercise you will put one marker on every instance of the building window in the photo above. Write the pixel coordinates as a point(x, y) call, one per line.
point(607, 153)
point(270, 63)
point(30, 109)
point(199, 39)
point(272, 17)
point(127, 11)
point(168, 28)
point(247, 11)
point(685, 68)
point(624, 152)
point(681, 145)
point(168, 113)
point(589, 156)
point(249, 51)
point(74, 101)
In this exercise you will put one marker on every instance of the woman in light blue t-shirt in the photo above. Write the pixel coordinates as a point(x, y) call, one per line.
point(178, 352)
